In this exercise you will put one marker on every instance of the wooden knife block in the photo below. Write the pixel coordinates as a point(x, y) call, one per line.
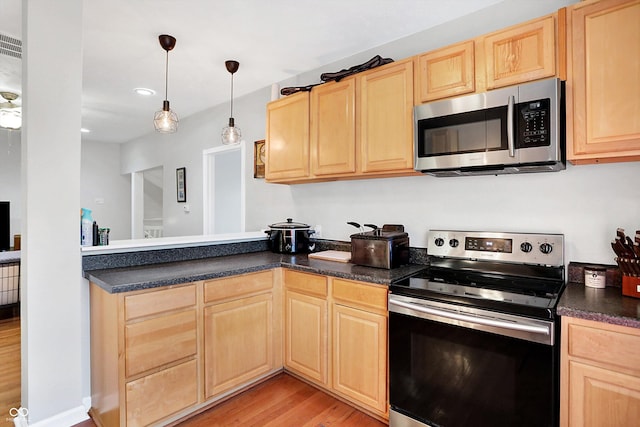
point(631, 286)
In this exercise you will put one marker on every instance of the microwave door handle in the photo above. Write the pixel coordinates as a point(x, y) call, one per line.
point(510, 135)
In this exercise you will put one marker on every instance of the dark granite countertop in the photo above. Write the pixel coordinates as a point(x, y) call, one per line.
point(603, 305)
point(9, 257)
point(125, 279)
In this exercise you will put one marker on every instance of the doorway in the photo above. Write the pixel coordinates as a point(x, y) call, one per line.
point(153, 190)
point(224, 189)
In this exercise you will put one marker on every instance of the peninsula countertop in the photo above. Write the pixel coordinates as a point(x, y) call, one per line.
point(125, 279)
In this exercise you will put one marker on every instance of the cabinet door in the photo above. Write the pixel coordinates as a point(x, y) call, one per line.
point(306, 336)
point(238, 343)
point(522, 53)
point(445, 72)
point(603, 86)
point(385, 98)
point(287, 140)
point(333, 128)
point(602, 398)
point(359, 356)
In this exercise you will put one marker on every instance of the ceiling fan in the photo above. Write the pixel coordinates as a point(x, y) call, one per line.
point(10, 113)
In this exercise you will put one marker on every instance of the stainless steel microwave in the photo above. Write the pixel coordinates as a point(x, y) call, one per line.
point(510, 130)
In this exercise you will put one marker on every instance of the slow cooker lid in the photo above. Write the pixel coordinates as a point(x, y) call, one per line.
point(289, 225)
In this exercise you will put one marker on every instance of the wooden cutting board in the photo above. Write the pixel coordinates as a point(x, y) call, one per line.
point(339, 256)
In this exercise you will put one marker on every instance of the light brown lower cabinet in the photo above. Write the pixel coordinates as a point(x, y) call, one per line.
point(336, 337)
point(240, 329)
point(600, 374)
point(306, 330)
point(359, 343)
point(158, 355)
point(161, 354)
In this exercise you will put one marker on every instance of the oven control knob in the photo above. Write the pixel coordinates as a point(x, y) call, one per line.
point(454, 243)
point(526, 247)
point(439, 241)
point(546, 248)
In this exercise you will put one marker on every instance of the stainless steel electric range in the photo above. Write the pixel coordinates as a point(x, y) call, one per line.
point(474, 340)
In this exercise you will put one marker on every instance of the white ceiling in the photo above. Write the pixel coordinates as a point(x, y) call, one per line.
point(272, 40)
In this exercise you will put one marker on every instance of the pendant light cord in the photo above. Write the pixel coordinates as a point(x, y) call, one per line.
point(166, 78)
point(231, 95)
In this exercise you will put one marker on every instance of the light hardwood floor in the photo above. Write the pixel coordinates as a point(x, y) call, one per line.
point(9, 369)
point(282, 401)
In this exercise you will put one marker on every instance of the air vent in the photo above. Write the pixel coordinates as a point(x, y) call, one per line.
point(10, 46)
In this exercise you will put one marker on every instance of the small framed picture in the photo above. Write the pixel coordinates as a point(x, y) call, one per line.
point(181, 184)
point(258, 159)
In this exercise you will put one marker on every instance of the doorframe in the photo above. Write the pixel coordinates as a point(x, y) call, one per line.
point(208, 191)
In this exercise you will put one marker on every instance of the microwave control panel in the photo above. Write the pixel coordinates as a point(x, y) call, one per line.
point(533, 123)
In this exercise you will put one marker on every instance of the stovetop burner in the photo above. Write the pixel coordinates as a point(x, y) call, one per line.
point(507, 272)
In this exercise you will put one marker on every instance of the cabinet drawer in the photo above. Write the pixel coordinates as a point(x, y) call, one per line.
point(367, 296)
point(155, 342)
point(230, 287)
point(155, 302)
point(306, 283)
point(613, 345)
point(159, 395)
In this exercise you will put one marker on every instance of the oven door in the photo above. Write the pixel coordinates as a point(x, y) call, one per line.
point(458, 366)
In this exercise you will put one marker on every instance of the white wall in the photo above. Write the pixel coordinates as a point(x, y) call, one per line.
point(104, 190)
point(10, 158)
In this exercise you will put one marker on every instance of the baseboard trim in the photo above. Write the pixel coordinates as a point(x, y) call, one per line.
point(64, 419)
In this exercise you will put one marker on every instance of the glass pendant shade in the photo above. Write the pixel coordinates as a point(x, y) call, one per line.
point(231, 134)
point(165, 120)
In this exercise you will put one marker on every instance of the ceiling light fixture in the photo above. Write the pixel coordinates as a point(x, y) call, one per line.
point(10, 113)
point(231, 134)
point(165, 120)
point(144, 91)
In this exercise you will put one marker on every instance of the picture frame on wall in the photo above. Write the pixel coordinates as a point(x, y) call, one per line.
point(258, 159)
point(181, 185)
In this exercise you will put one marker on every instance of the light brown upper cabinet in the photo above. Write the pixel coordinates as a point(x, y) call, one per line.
point(287, 140)
point(333, 128)
point(385, 112)
point(359, 127)
point(520, 53)
point(445, 72)
point(603, 81)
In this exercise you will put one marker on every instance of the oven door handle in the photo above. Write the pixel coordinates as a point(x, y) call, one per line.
point(472, 319)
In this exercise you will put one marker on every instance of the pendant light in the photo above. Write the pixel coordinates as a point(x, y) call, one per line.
point(165, 120)
point(231, 134)
point(10, 113)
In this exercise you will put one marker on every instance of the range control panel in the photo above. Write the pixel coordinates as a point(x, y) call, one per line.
point(525, 248)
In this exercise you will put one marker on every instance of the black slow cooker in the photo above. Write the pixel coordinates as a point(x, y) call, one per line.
point(290, 237)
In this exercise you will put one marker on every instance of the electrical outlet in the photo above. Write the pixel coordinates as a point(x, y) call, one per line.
point(318, 231)
point(186, 208)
